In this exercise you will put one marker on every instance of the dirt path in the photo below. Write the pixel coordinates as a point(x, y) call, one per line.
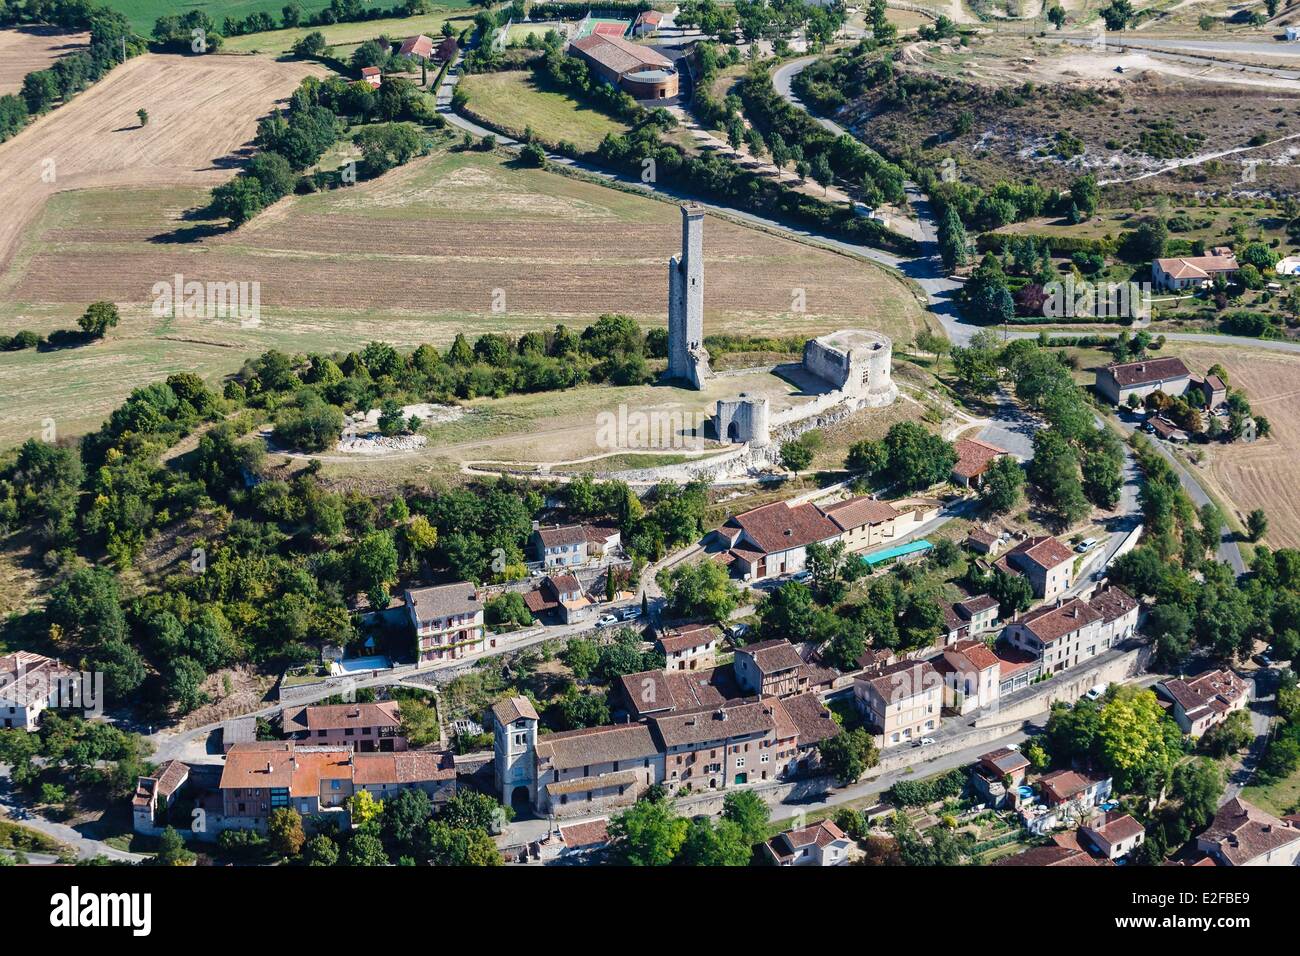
point(203, 112)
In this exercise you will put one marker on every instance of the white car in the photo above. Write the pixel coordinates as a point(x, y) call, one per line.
point(802, 577)
point(1096, 692)
point(606, 620)
point(631, 612)
point(1086, 545)
point(924, 742)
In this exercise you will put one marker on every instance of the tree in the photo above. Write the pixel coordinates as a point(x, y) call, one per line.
point(849, 754)
point(649, 833)
point(238, 200)
point(918, 459)
point(720, 844)
point(1229, 736)
point(1137, 741)
point(171, 850)
point(1256, 524)
point(748, 811)
point(364, 808)
point(365, 849)
point(1118, 14)
point(471, 810)
point(375, 563)
point(1198, 785)
point(320, 850)
point(452, 846)
point(795, 455)
point(142, 115)
point(98, 318)
point(1056, 15)
point(284, 828)
point(700, 590)
point(1003, 484)
point(405, 819)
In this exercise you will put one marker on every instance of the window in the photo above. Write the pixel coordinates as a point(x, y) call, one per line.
point(766, 758)
point(740, 761)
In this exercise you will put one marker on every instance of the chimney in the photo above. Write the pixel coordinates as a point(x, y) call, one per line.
point(268, 766)
point(721, 714)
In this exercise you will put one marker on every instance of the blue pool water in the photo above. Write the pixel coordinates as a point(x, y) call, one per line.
point(377, 662)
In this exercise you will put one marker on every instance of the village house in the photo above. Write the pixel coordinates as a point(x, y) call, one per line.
point(647, 22)
point(1044, 561)
point(690, 647)
point(572, 545)
point(561, 595)
point(970, 676)
point(657, 692)
point(420, 47)
point(1071, 632)
point(262, 777)
point(1201, 702)
point(154, 795)
point(969, 617)
point(29, 684)
point(770, 668)
point(902, 701)
point(372, 77)
point(597, 769)
point(982, 541)
point(1194, 272)
point(997, 774)
point(366, 728)
point(586, 840)
point(1118, 381)
point(1241, 834)
point(973, 459)
point(448, 621)
point(1214, 391)
point(1064, 788)
point(1064, 850)
point(770, 541)
point(863, 522)
point(1115, 835)
point(818, 844)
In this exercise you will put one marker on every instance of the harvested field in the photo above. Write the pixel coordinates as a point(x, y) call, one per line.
point(26, 49)
point(415, 256)
point(1258, 475)
point(202, 114)
point(346, 34)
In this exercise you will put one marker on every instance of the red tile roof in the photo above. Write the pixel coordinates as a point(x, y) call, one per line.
point(421, 46)
point(974, 457)
point(779, 527)
point(1052, 623)
point(1147, 371)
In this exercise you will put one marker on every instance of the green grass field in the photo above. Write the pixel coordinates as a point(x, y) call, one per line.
point(143, 13)
point(278, 42)
point(514, 101)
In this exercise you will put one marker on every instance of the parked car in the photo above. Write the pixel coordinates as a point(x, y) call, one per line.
point(738, 630)
point(1096, 692)
point(629, 613)
point(1263, 660)
point(606, 620)
point(802, 577)
point(924, 742)
point(1086, 545)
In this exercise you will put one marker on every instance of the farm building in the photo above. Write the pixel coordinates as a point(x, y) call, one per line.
point(371, 76)
point(973, 459)
point(417, 46)
point(640, 71)
point(1118, 382)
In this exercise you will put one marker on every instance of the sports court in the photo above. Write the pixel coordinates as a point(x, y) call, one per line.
point(607, 27)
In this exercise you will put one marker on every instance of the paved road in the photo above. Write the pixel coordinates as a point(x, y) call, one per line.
point(85, 847)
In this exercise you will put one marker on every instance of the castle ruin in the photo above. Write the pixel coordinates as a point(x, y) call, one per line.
point(688, 360)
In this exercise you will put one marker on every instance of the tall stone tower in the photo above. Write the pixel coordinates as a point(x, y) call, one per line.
point(687, 358)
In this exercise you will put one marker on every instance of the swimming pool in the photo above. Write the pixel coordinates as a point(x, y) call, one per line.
point(376, 662)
